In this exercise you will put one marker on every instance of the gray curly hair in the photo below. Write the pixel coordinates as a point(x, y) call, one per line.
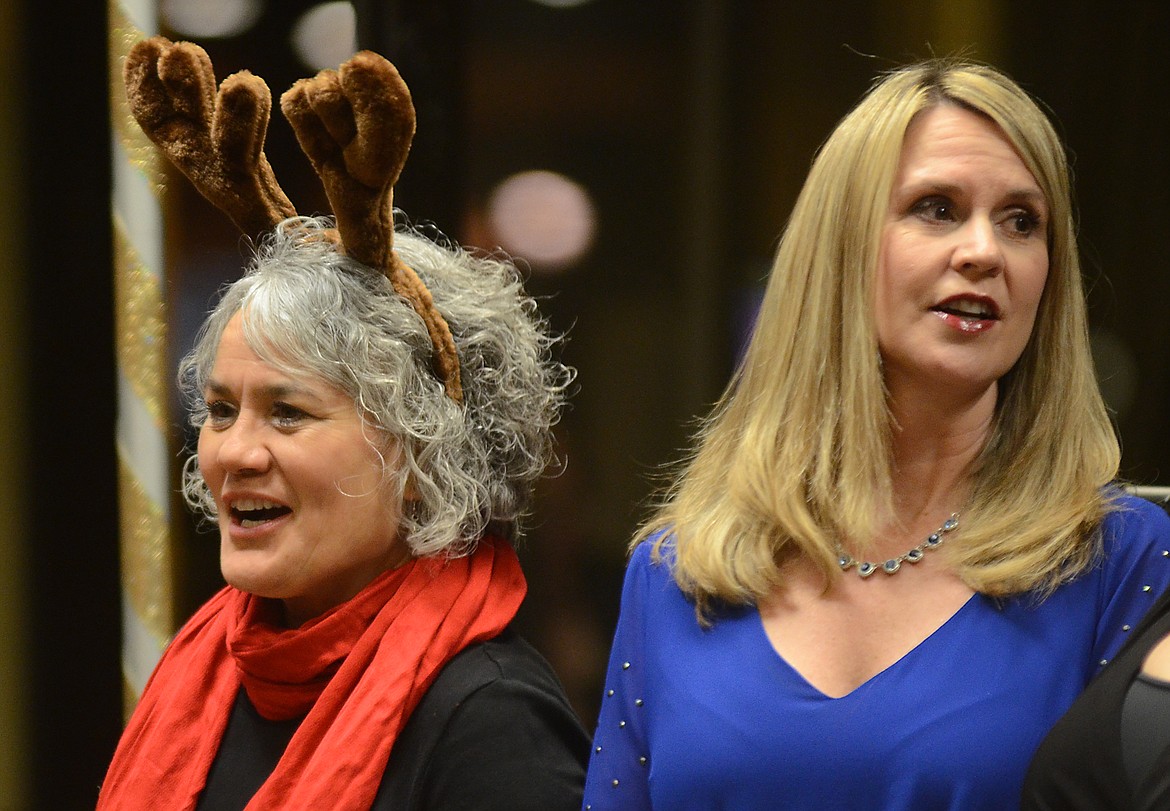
point(313, 312)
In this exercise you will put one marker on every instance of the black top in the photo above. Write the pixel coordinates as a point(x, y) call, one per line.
point(1081, 764)
point(494, 731)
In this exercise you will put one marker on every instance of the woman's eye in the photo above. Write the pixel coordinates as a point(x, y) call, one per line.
point(1023, 223)
point(219, 412)
point(934, 208)
point(287, 416)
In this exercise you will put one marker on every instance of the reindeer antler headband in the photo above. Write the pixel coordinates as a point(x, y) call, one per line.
point(355, 125)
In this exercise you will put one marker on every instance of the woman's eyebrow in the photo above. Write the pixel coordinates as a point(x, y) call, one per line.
point(272, 391)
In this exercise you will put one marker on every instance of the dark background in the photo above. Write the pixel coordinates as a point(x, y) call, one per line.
point(692, 124)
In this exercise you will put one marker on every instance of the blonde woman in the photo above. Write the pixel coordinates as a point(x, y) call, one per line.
point(897, 553)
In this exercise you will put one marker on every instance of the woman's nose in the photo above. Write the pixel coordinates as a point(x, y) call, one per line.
point(242, 448)
point(978, 251)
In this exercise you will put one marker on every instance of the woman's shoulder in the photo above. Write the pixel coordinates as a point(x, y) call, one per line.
point(1133, 572)
point(650, 570)
point(1135, 505)
point(507, 657)
point(1135, 524)
point(467, 730)
point(653, 554)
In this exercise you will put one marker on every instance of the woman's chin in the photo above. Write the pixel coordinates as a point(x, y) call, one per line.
point(244, 572)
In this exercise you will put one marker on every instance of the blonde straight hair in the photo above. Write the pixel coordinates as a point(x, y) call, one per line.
point(797, 452)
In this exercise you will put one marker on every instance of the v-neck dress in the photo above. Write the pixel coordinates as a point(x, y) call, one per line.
point(715, 718)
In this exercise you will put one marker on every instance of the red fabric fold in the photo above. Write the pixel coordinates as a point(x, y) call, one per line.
point(357, 671)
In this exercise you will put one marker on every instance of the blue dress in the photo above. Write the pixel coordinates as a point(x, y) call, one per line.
point(695, 718)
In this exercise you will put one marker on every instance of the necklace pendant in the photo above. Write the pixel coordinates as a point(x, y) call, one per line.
point(866, 568)
point(915, 555)
point(891, 566)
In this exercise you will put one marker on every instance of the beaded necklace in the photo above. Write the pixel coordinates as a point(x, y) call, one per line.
point(865, 568)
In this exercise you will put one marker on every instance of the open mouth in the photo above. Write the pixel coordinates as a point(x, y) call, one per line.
point(254, 512)
point(973, 309)
point(969, 314)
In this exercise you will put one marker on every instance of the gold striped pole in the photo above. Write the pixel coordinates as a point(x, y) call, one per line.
point(144, 474)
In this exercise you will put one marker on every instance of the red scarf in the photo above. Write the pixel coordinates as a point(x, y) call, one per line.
point(358, 671)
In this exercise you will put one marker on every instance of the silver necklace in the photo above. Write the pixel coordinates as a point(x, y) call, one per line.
point(865, 568)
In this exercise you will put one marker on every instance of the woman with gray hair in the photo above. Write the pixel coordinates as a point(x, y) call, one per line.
point(372, 419)
point(312, 311)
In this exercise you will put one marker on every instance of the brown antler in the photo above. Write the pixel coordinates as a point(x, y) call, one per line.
point(355, 125)
point(215, 139)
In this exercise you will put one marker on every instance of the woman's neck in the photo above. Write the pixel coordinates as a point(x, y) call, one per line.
point(935, 441)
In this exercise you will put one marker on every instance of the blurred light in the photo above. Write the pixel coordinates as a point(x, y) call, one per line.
point(207, 19)
point(542, 217)
point(1117, 370)
point(561, 3)
point(326, 35)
